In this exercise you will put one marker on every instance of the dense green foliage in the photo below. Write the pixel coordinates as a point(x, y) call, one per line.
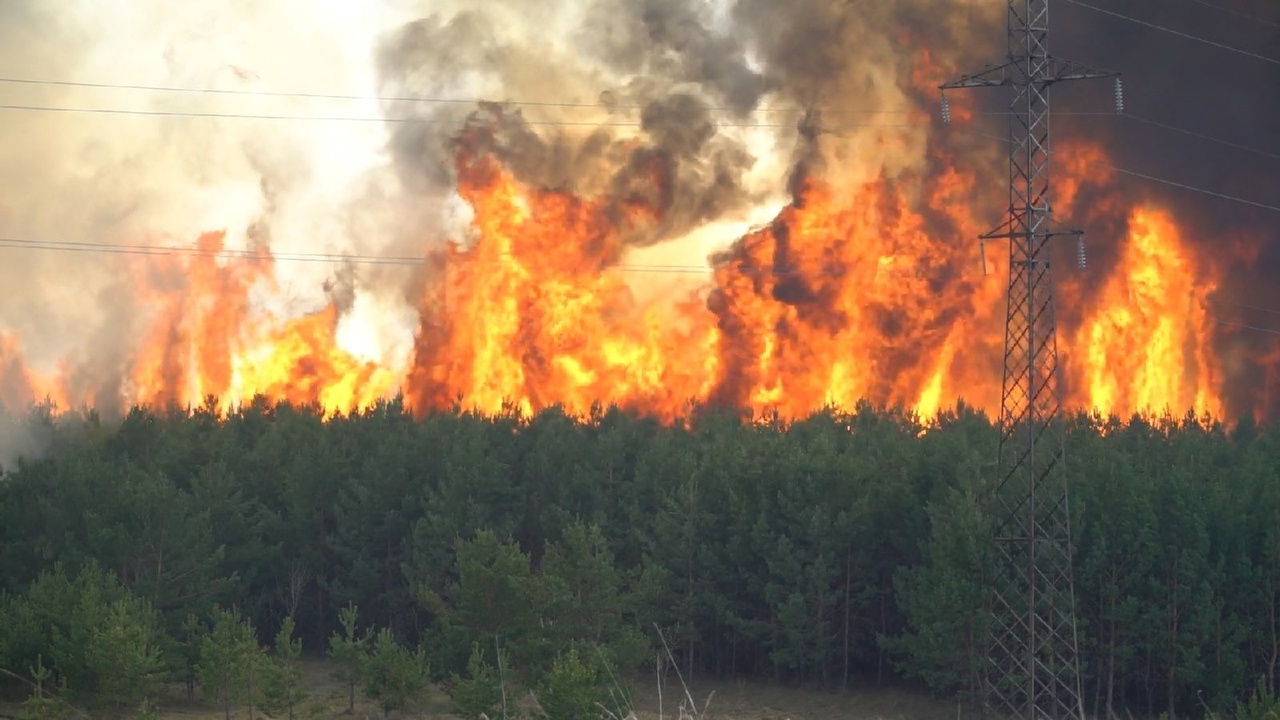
point(846, 548)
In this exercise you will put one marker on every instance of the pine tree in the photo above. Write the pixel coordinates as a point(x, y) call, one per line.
point(481, 691)
point(41, 706)
point(282, 678)
point(943, 600)
point(189, 639)
point(348, 651)
point(123, 655)
point(394, 676)
point(580, 687)
point(230, 657)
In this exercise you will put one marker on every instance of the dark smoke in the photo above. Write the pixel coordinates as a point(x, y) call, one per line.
point(670, 42)
point(688, 171)
point(812, 49)
point(1209, 90)
point(671, 67)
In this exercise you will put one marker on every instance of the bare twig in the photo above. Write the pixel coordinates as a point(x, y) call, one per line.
point(657, 676)
point(688, 696)
point(502, 681)
point(623, 712)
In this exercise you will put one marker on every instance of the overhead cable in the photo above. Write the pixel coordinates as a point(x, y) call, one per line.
point(599, 105)
point(1171, 31)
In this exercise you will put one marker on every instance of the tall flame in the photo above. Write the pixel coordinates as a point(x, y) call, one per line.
point(867, 289)
point(20, 385)
point(844, 297)
point(1146, 347)
point(538, 312)
point(206, 340)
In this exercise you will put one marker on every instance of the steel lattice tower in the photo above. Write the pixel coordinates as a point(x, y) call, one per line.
point(1033, 667)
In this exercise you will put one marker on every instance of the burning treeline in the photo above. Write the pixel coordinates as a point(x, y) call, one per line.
point(868, 290)
point(866, 283)
point(863, 290)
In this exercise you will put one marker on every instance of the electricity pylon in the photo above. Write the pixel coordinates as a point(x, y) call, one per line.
point(1033, 665)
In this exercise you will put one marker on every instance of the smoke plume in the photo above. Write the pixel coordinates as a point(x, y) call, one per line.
point(687, 120)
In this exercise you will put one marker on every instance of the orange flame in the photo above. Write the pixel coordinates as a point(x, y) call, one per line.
point(845, 296)
point(838, 300)
point(206, 340)
point(21, 386)
point(869, 290)
point(1146, 348)
point(18, 388)
point(537, 313)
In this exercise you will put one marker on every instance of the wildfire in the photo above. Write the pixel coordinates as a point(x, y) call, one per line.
point(302, 364)
point(538, 312)
point(842, 298)
point(206, 340)
point(1146, 347)
point(857, 290)
point(203, 307)
point(20, 385)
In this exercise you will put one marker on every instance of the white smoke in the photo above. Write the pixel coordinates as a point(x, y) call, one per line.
point(138, 178)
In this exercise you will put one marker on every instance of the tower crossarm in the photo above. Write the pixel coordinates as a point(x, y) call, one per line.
point(1054, 70)
point(1032, 668)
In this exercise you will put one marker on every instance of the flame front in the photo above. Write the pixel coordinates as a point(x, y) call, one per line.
point(844, 297)
point(206, 340)
point(857, 290)
point(1146, 346)
point(537, 312)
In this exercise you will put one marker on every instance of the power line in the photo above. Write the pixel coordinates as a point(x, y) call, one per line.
point(1162, 125)
point(335, 258)
point(1249, 327)
point(302, 95)
point(255, 256)
point(1224, 196)
point(358, 259)
point(1171, 31)
point(389, 98)
point(249, 255)
point(430, 121)
point(1202, 136)
point(1246, 16)
point(531, 103)
point(1256, 307)
point(566, 123)
point(409, 120)
point(1153, 178)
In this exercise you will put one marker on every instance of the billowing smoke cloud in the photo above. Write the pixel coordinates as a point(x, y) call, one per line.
point(708, 96)
point(575, 112)
point(847, 67)
point(699, 109)
point(160, 179)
